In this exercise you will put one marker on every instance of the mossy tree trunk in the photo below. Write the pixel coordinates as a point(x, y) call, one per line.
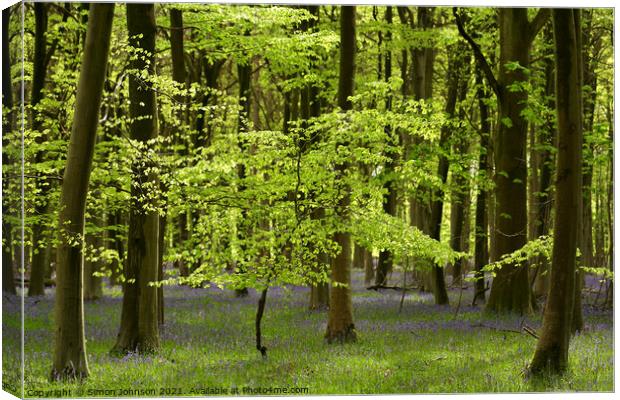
point(139, 329)
point(69, 361)
point(552, 348)
point(340, 327)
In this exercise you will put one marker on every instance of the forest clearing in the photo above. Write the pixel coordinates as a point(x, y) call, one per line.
point(211, 199)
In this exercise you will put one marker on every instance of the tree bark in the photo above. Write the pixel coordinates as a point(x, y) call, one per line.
point(544, 197)
point(139, 322)
point(92, 283)
point(244, 73)
point(481, 245)
point(340, 327)
point(384, 265)
point(69, 360)
point(552, 348)
point(510, 291)
point(36, 286)
point(459, 200)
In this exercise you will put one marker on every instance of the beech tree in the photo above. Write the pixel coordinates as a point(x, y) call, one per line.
point(552, 348)
point(340, 327)
point(70, 348)
point(139, 319)
point(510, 291)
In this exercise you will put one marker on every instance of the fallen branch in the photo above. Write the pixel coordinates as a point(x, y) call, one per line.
point(377, 287)
point(530, 331)
point(525, 329)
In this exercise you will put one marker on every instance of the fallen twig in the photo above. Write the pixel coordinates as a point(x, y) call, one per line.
point(377, 287)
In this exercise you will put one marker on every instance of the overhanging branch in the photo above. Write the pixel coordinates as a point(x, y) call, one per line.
point(482, 61)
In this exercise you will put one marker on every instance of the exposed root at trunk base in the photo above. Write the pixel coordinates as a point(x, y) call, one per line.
point(347, 335)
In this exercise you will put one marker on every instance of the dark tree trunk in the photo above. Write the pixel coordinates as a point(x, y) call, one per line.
point(552, 348)
point(244, 73)
point(481, 246)
point(69, 360)
point(510, 291)
point(8, 273)
point(384, 266)
point(311, 108)
point(544, 197)
point(454, 71)
point(92, 282)
point(340, 327)
point(139, 322)
point(420, 82)
point(459, 199)
point(39, 265)
point(319, 293)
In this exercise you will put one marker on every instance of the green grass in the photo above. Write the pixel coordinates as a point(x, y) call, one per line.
point(208, 342)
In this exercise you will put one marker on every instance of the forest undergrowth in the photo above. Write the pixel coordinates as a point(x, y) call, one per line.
point(208, 346)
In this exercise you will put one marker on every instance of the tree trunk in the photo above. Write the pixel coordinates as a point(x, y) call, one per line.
point(481, 246)
point(459, 199)
point(92, 283)
point(39, 265)
point(454, 70)
point(369, 271)
point(139, 322)
point(552, 348)
point(8, 272)
point(340, 327)
point(421, 82)
point(69, 360)
point(384, 266)
point(510, 291)
point(544, 198)
point(244, 73)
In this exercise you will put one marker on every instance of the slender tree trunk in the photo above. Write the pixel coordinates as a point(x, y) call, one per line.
point(544, 196)
point(92, 283)
point(552, 348)
point(454, 71)
point(421, 77)
point(8, 273)
point(69, 360)
point(36, 286)
point(384, 266)
point(459, 203)
point(340, 327)
point(481, 250)
point(369, 270)
point(244, 73)
point(139, 322)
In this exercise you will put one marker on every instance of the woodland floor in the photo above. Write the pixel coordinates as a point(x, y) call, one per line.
point(208, 342)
